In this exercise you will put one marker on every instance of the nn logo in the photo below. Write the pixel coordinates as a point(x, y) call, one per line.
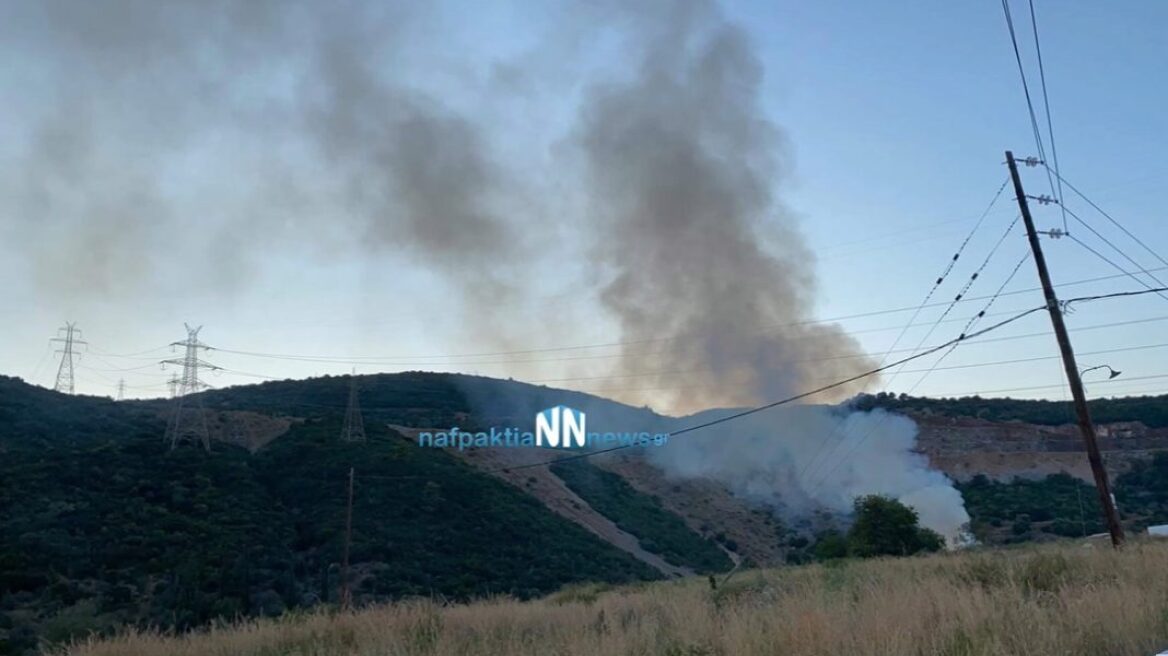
point(560, 426)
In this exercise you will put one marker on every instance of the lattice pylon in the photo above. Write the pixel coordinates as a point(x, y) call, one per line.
point(354, 427)
point(180, 427)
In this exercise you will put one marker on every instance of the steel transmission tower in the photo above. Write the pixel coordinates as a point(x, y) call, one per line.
point(354, 429)
point(68, 343)
point(182, 427)
point(121, 389)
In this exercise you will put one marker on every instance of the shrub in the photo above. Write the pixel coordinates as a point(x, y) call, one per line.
point(886, 527)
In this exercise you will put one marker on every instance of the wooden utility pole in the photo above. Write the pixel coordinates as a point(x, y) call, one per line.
point(346, 594)
point(1072, 369)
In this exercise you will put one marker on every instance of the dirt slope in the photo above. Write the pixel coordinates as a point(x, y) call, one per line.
point(542, 484)
point(964, 447)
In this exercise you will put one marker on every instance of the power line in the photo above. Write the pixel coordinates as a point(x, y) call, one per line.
point(112, 367)
point(1108, 260)
point(1110, 218)
point(137, 370)
point(992, 340)
point(944, 355)
point(963, 339)
point(1026, 90)
point(413, 360)
point(1117, 249)
point(96, 373)
point(1125, 379)
point(996, 363)
point(945, 273)
point(761, 408)
point(926, 373)
point(815, 461)
point(1049, 123)
point(131, 355)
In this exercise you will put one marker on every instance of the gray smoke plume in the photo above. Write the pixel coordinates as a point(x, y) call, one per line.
point(800, 459)
point(708, 269)
point(161, 137)
point(710, 273)
point(169, 147)
point(416, 172)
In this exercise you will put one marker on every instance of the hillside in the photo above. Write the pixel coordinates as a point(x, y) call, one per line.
point(1053, 601)
point(109, 527)
point(1152, 411)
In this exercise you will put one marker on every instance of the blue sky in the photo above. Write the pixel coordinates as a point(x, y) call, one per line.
point(899, 121)
point(895, 117)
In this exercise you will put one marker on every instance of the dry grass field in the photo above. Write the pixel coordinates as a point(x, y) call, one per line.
point(1057, 600)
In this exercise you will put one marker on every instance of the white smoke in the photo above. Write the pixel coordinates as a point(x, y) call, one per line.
point(799, 459)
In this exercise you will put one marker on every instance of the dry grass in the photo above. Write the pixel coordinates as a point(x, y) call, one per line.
point(1064, 600)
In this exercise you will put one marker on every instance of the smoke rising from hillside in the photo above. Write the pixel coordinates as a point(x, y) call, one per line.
point(174, 148)
point(162, 134)
point(793, 460)
point(797, 460)
point(682, 164)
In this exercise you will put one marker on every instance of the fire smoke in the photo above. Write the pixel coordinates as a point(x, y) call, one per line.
point(149, 135)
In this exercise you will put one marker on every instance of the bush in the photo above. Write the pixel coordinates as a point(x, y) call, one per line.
point(886, 527)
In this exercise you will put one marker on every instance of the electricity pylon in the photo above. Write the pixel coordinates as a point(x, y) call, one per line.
point(189, 384)
point(68, 342)
point(354, 428)
point(121, 389)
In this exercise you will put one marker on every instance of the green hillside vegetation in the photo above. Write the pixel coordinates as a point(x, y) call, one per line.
point(1063, 506)
point(1152, 411)
point(407, 399)
point(659, 531)
point(103, 525)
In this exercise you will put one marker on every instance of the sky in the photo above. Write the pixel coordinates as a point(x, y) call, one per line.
point(139, 198)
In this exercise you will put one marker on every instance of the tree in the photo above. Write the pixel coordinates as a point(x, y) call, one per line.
point(886, 527)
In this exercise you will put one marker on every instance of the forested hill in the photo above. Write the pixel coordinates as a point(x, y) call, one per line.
point(1152, 411)
point(103, 525)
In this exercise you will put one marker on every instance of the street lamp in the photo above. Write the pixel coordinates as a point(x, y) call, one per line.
point(1113, 373)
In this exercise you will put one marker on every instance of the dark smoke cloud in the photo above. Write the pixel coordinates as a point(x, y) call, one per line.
point(199, 134)
point(169, 147)
point(681, 166)
point(418, 174)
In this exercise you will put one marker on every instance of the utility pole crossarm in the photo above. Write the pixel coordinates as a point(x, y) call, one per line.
point(183, 361)
point(1086, 427)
